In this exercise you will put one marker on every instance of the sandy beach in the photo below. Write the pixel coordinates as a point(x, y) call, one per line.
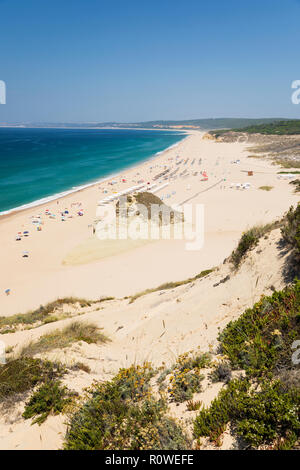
point(65, 259)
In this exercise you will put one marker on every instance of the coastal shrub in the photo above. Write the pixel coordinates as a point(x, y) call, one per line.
point(260, 340)
point(59, 339)
point(50, 397)
point(211, 422)
point(122, 414)
point(296, 184)
point(262, 409)
point(249, 240)
point(291, 230)
point(186, 377)
point(264, 415)
point(23, 374)
point(221, 373)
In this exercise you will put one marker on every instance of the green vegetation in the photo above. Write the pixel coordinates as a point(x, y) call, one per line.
point(291, 127)
point(296, 183)
point(249, 240)
point(171, 285)
point(50, 397)
point(265, 415)
point(218, 123)
point(59, 339)
point(266, 188)
point(260, 340)
point(264, 407)
point(287, 163)
point(291, 230)
point(186, 377)
point(193, 405)
point(44, 314)
point(222, 372)
point(123, 415)
point(21, 375)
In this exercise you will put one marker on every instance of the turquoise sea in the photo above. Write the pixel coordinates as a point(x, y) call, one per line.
point(39, 164)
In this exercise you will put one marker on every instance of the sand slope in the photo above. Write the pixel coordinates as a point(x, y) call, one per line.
point(156, 327)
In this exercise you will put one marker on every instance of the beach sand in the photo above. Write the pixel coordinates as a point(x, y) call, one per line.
point(65, 260)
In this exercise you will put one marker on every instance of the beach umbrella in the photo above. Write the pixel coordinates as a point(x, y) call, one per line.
point(7, 291)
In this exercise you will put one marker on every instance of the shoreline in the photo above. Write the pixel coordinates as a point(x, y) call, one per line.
point(43, 277)
point(47, 199)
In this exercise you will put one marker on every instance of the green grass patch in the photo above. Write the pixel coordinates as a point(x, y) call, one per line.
point(59, 339)
point(266, 188)
point(21, 375)
point(45, 314)
point(285, 163)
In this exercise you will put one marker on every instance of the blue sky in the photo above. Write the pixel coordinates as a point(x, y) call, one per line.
point(94, 60)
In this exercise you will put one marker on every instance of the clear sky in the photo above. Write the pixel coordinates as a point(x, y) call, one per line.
point(137, 60)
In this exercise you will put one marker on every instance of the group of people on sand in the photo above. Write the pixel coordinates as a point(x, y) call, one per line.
point(38, 220)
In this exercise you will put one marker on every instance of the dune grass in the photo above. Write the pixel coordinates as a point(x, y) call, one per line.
point(285, 163)
point(249, 240)
point(266, 188)
point(59, 339)
point(44, 314)
point(21, 375)
point(170, 285)
point(296, 184)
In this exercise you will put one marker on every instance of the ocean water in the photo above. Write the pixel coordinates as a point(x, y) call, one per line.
point(38, 164)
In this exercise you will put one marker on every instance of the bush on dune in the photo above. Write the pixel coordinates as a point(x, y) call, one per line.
point(123, 415)
point(50, 397)
point(263, 408)
point(262, 416)
point(291, 230)
point(22, 375)
point(248, 241)
point(260, 340)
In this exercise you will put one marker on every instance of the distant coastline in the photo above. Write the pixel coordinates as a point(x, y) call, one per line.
point(78, 188)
